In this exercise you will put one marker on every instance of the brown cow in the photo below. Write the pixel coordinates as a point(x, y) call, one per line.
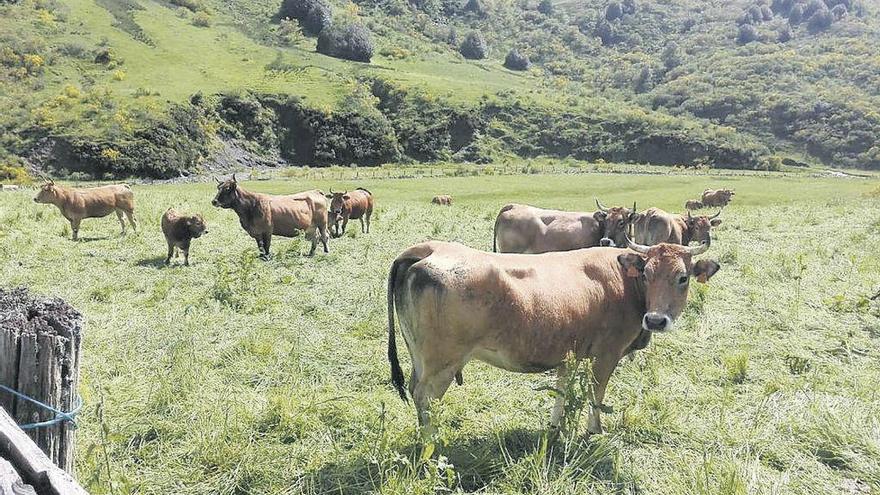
point(355, 205)
point(450, 300)
point(655, 226)
point(618, 222)
point(719, 198)
point(95, 202)
point(693, 204)
point(265, 215)
point(530, 230)
point(443, 200)
point(179, 232)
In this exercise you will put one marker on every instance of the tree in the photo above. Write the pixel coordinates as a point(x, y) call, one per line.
point(747, 34)
point(755, 14)
point(475, 7)
point(784, 34)
point(766, 13)
point(642, 83)
point(605, 32)
point(474, 46)
point(671, 56)
point(516, 61)
point(820, 21)
point(839, 11)
point(318, 18)
point(613, 11)
point(545, 7)
point(351, 42)
point(796, 15)
point(629, 7)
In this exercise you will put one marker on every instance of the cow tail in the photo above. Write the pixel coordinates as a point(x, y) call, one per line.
point(365, 190)
point(495, 238)
point(396, 373)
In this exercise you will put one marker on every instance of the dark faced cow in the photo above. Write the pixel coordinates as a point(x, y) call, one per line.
point(94, 202)
point(265, 215)
point(617, 224)
point(525, 313)
point(354, 205)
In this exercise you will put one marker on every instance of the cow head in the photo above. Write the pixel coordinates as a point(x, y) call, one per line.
point(337, 202)
point(196, 226)
point(227, 193)
point(665, 271)
point(615, 223)
point(701, 226)
point(48, 193)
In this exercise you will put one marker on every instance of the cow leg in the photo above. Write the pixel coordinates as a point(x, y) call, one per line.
point(363, 226)
point(430, 387)
point(121, 221)
point(603, 367)
point(185, 248)
point(324, 237)
point(559, 406)
point(312, 235)
point(170, 252)
point(344, 224)
point(130, 216)
point(369, 214)
point(267, 241)
point(74, 227)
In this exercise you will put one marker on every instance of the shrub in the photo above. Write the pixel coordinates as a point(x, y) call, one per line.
point(629, 7)
point(14, 174)
point(766, 13)
point(192, 5)
point(747, 34)
point(613, 11)
point(796, 15)
point(474, 46)
point(755, 13)
point(297, 9)
point(516, 61)
point(350, 42)
point(820, 21)
point(318, 18)
point(545, 7)
point(784, 34)
point(839, 11)
point(475, 7)
point(289, 32)
point(606, 32)
point(201, 19)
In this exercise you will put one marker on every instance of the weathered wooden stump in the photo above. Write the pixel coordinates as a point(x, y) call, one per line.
point(40, 342)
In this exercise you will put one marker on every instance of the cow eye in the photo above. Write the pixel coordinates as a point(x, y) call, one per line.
point(683, 280)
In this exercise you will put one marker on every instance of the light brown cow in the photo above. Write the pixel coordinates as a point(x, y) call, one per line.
point(618, 222)
point(354, 205)
point(95, 202)
point(524, 313)
point(693, 204)
point(265, 215)
point(443, 200)
point(655, 226)
point(179, 232)
point(530, 230)
point(720, 198)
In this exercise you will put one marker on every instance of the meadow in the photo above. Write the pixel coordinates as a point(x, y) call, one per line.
point(236, 376)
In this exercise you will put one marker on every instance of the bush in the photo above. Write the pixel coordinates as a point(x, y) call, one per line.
point(796, 15)
point(201, 19)
point(606, 32)
point(820, 21)
point(766, 13)
point(474, 46)
point(351, 42)
point(545, 7)
point(784, 34)
point(13, 174)
point(747, 34)
point(839, 11)
point(297, 9)
point(629, 7)
point(613, 11)
point(475, 7)
point(516, 61)
point(319, 18)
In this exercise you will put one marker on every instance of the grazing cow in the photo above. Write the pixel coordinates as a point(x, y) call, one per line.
point(655, 226)
point(95, 202)
point(355, 205)
point(443, 200)
point(530, 230)
point(179, 232)
point(265, 215)
point(693, 204)
point(524, 313)
point(719, 198)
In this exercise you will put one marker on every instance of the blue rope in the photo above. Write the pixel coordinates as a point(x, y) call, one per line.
point(60, 416)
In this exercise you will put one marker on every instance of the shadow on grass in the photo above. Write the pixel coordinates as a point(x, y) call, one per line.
point(157, 262)
point(93, 239)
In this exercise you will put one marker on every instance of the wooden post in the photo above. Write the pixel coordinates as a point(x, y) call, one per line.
point(40, 342)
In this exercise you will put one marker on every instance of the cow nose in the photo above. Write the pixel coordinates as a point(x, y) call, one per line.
point(214, 202)
point(655, 322)
point(606, 242)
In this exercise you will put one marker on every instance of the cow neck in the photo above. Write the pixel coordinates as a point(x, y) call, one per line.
point(245, 203)
point(642, 292)
point(686, 234)
point(65, 197)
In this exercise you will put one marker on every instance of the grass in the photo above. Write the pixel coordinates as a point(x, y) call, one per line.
point(241, 376)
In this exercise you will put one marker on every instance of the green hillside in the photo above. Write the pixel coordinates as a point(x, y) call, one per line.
point(155, 88)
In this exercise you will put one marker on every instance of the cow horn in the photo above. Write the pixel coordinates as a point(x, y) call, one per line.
point(634, 207)
point(345, 192)
point(702, 248)
point(639, 248)
point(331, 190)
point(601, 208)
point(233, 178)
point(690, 217)
point(217, 179)
point(713, 217)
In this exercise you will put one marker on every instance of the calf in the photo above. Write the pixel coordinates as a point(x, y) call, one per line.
point(693, 204)
point(95, 202)
point(265, 215)
point(355, 205)
point(180, 230)
point(443, 199)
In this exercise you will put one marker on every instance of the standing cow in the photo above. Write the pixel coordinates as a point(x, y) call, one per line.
point(524, 313)
point(95, 202)
point(442, 200)
point(719, 198)
point(265, 215)
point(355, 205)
point(179, 231)
point(655, 226)
point(693, 204)
point(531, 230)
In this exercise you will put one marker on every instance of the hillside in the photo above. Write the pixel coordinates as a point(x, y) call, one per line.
point(157, 88)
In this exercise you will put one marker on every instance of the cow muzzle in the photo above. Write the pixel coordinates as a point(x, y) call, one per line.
point(656, 322)
point(214, 202)
point(607, 242)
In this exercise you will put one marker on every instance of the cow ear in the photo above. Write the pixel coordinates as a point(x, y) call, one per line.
point(600, 216)
point(329, 196)
point(633, 264)
point(704, 269)
point(716, 222)
point(346, 197)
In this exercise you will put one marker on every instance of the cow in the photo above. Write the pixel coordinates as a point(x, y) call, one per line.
point(9, 187)
point(345, 206)
point(179, 232)
point(265, 215)
point(525, 313)
point(693, 204)
point(618, 223)
point(530, 230)
point(94, 202)
point(655, 226)
point(443, 200)
point(719, 198)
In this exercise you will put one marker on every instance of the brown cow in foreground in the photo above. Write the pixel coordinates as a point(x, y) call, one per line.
point(95, 202)
point(530, 230)
point(354, 205)
point(443, 200)
point(524, 313)
point(719, 198)
point(179, 232)
point(693, 204)
point(265, 215)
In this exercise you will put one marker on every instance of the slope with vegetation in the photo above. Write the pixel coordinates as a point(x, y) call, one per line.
point(156, 87)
